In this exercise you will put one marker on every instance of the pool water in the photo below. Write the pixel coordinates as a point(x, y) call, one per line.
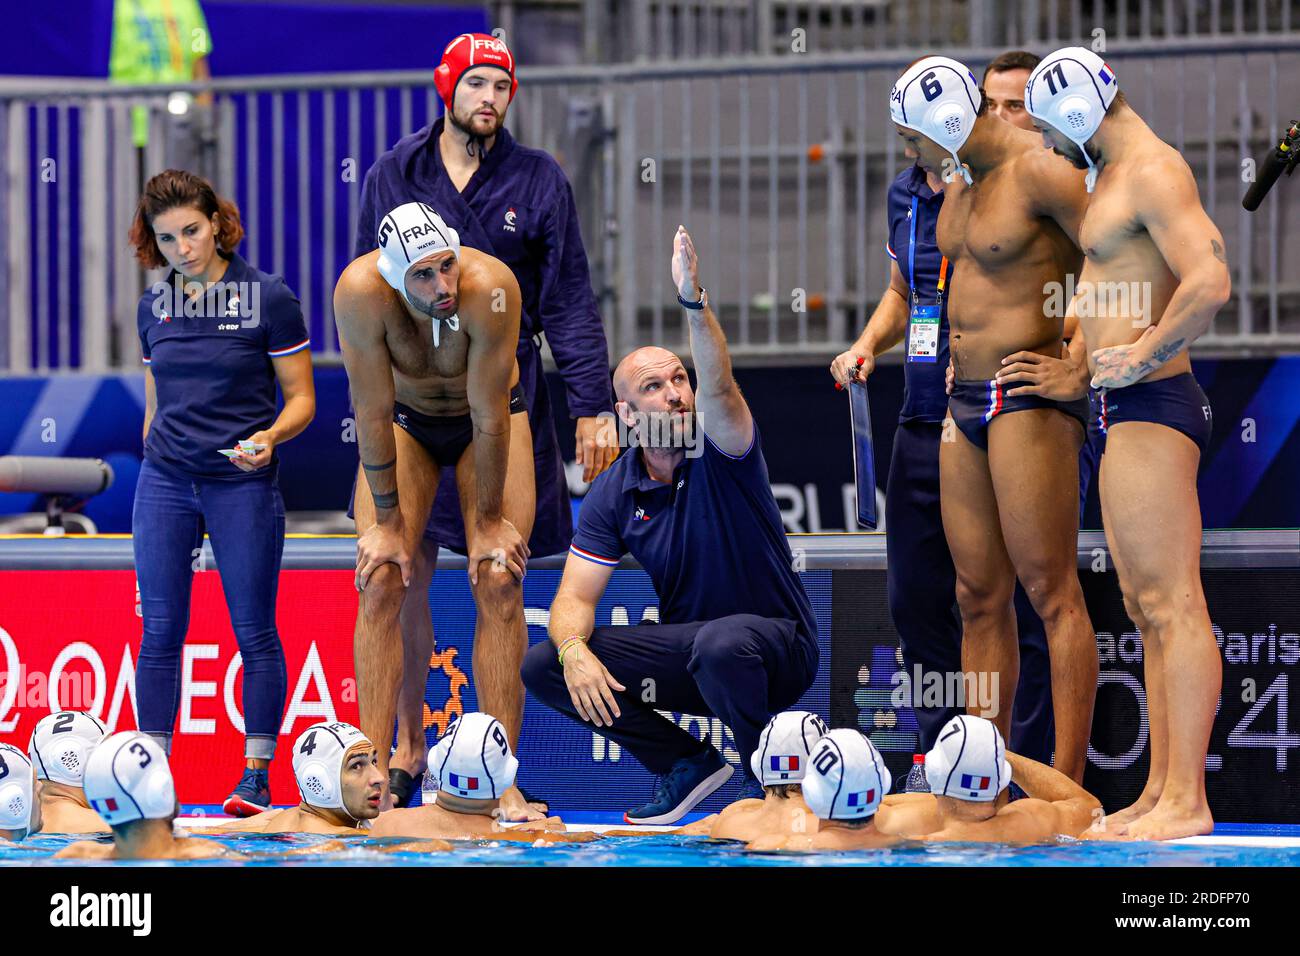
point(677, 851)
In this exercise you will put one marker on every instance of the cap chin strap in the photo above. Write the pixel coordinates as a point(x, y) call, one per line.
point(475, 144)
point(1090, 180)
point(453, 323)
point(961, 168)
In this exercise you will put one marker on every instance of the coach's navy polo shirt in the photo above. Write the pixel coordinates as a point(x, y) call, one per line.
point(212, 372)
point(711, 540)
point(924, 397)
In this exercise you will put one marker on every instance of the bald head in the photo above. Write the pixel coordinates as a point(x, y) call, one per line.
point(640, 366)
point(655, 400)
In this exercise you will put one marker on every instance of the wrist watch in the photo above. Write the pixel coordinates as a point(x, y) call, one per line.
point(695, 306)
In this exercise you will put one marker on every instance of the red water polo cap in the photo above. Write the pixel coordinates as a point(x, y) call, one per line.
point(466, 52)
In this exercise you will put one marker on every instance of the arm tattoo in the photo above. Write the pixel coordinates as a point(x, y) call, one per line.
point(1218, 251)
point(386, 465)
point(388, 500)
point(1167, 351)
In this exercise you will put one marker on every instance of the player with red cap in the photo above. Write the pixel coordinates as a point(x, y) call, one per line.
point(466, 53)
point(515, 205)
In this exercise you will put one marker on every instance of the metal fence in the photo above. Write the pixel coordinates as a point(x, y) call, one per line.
point(779, 166)
point(639, 30)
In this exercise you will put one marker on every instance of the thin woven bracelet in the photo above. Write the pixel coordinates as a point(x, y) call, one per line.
point(565, 646)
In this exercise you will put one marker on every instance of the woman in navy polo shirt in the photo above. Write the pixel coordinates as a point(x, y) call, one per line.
point(216, 334)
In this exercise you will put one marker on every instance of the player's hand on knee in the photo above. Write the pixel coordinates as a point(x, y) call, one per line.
point(591, 687)
point(501, 543)
point(1035, 374)
point(379, 545)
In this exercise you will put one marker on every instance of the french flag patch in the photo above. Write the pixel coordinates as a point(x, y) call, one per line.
point(784, 764)
point(1106, 75)
point(972, 782)
point(468, 783)
point(862, 798)
point(105, 806)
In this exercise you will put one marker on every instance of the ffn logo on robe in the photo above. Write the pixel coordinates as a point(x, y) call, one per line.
point(509, 225)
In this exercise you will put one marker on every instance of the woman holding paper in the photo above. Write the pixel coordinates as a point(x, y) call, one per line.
point(217, 335)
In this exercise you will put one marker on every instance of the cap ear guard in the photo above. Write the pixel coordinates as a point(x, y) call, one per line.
point(1075, 115)
point(318, 786)
point(61, 743)
point(508, 781)
point(950, 124)
point(393, 275)
point(756, 758)
point(442, 81)
point(937, 770)
point(157, 795)
point(16, 798)
point(71, 756)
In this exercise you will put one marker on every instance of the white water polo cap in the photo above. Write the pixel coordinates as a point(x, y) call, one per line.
point(968, 761)
point(847, 778)
point(16, 798)
point(1071, 90)
point(473, 759)
point(409, 233)
point(939, 98)
point(61, 745)
point(128, 778)
point(318, 758)
point(784, 747)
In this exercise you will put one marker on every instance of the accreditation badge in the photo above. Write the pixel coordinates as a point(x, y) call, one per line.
point(923, 334)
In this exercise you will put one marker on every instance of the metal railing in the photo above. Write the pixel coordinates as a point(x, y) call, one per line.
point(640, 30)
point(778, 165)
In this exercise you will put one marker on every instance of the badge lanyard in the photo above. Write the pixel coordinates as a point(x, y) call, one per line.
point(923, 325)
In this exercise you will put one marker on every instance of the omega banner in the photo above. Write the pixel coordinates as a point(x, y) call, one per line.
point(70, 639)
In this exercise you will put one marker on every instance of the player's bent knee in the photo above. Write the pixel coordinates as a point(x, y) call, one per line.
point(1052, 594)
point(979, 599)
point(1134, 611)
point(1170, 610)
point(497, 593)
point(384, 592)
point(719, 643)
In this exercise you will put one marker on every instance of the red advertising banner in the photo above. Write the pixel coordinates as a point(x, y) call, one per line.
point(70, 640)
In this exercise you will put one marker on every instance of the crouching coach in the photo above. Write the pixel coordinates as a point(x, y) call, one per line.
point(692, 504)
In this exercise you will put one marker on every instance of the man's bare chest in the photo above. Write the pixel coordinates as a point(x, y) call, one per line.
point(415, 356)
point(989, 223)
